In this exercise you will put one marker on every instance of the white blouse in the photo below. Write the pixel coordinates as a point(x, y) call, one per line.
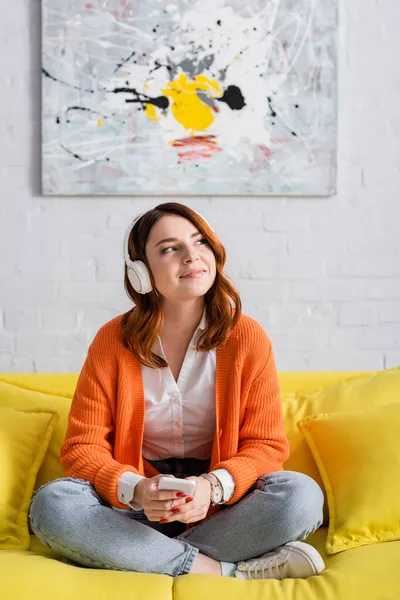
point(179, 415)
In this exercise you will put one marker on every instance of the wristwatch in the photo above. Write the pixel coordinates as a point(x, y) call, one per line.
point(217, 491)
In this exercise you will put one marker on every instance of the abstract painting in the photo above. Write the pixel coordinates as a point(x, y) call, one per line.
point(203, 97)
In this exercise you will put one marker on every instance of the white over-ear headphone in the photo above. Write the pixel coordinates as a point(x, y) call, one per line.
point(138, 273)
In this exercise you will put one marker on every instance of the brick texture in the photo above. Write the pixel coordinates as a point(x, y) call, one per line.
point(321, 275)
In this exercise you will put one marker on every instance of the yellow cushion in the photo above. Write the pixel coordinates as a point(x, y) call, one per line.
point(58, 384)
point(24, 438)
point(26, 399)
point(358, 457)
point(296, 384)
point(376, 390)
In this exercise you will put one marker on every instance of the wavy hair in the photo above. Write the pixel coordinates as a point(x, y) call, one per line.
point(143, 324)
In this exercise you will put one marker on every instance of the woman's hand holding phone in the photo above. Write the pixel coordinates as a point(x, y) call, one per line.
point(195, 509)
point(158, 505)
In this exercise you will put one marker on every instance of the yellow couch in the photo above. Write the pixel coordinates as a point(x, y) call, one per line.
point(370, 572)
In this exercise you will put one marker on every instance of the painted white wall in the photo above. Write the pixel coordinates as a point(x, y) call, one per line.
point(321, 275)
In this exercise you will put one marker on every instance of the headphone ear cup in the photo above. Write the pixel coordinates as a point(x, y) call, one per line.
point(139, 277)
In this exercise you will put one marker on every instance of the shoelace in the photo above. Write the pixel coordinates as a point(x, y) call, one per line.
point(258, 569)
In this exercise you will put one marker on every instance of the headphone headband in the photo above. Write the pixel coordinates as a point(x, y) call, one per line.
point(127, 258)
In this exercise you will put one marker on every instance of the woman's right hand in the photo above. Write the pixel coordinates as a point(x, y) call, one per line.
point(157, 504)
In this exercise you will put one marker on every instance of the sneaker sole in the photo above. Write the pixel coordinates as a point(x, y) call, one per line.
point(310, 554)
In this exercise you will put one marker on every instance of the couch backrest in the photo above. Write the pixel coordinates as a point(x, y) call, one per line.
point(293, 384)
point(55, 391)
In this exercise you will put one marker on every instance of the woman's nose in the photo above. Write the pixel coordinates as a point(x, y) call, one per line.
point(191, 256)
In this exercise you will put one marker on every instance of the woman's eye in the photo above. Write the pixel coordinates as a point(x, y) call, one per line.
point(165, 250)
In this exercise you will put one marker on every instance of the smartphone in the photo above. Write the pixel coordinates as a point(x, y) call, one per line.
point(177, 485)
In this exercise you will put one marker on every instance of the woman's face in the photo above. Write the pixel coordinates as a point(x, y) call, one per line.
point(180, 259)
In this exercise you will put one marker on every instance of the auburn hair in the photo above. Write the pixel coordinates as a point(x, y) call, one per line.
point(143, 324)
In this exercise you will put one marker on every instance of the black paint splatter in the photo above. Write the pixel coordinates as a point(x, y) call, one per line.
point(47, 74)
point(272, 113)
point(159, 66)
point(233, 98)
point(89, 110)
point(161, 101)
point(78, 157)
point(70, 152)
point(83, 108)
point(119, 65)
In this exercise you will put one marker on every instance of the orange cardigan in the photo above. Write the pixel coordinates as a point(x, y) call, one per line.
point(105, 426)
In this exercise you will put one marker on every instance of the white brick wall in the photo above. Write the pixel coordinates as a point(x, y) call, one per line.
point(322, 275)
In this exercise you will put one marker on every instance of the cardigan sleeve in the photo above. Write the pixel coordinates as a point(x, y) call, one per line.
point(87, 450)
point(263, 446)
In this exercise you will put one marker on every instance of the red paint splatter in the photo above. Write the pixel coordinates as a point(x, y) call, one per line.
point(125, 10)
point(265, 150)
point(112, 171)
point(195, 141)
point(215, 108)
point(281, 140)
point(193, 155)
point(196, 147)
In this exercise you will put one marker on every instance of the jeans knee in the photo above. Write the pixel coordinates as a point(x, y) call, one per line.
point(307, 500)
point(302, 499)
point(54, 502)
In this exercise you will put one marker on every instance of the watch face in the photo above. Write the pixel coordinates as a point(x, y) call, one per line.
point(217, 494)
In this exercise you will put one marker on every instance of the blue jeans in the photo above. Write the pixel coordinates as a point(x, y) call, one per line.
point(70, 517)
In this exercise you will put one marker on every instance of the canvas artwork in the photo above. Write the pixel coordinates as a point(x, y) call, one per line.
point(203, 97)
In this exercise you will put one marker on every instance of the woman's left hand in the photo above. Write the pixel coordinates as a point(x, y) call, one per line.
point(196, 508)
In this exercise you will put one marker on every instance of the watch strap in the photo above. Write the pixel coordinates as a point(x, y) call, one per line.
point(215, 484)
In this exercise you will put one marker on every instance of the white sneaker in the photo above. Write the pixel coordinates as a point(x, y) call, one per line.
point(294, 559)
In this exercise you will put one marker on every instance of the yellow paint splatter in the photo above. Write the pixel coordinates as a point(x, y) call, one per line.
point(150, 112)
point(188, 109)
point(99, 122)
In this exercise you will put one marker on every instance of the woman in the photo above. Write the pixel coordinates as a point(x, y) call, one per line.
point(183, 385)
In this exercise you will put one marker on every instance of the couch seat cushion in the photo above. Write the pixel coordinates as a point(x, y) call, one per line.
point(37, 574)
point(368, 572)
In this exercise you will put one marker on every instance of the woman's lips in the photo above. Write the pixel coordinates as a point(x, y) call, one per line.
point(194, 275)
